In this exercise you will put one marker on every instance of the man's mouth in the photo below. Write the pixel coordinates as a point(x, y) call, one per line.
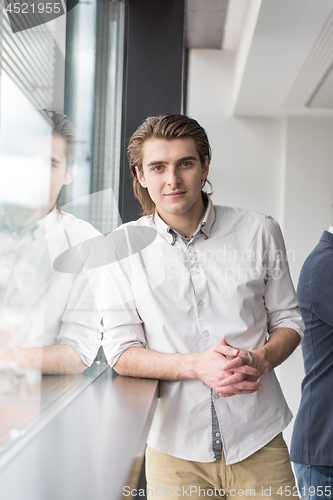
point(175, 194)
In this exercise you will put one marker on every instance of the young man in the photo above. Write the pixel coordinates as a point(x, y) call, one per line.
point(48, 319)
point(202, 329)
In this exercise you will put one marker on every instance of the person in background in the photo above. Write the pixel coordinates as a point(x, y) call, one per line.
point(48, 319)
point(311, 445)
point(212, 329)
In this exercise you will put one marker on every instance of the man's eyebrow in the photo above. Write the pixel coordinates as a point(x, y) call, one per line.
point(186, 158)
point(180, 160)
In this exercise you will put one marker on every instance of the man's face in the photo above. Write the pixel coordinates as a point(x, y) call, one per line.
point(172, 173)
point(59, 176)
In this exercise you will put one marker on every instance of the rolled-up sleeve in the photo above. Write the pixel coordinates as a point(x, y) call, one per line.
point(80, 322)
point(123, 327)
point(81, 326)
point(281, 300)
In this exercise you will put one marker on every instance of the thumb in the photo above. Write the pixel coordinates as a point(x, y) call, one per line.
point(223, 348)
point(223, 342)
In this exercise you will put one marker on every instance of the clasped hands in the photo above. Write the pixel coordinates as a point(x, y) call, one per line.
point(230, 371)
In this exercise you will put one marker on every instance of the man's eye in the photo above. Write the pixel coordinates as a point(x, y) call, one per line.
point(158, 168)
point(186, 163)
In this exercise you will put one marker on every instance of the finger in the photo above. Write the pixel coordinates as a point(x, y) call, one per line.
point(234, 363)
point(246, 356)
point(223, 374)
point(224, 342)
point(249, 371)
point(242, 353)
point(232, 390)
point(235, 386)
point(239, 393)
point(227, 391)
point(236, 367)
point(251, 379)
point(247, 385)
point(231, 380)
point(226, 350)
point(228, 395)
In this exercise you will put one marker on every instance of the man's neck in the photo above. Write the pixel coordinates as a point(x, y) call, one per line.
point(185, 223)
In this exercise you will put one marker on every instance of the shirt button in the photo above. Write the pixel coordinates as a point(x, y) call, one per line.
point(216, 396)
point(217, 441)
point(217, 434)
point(207, 333)
point(196, 273)
point(195, 266)
point(194, 259)
point(192, 250)
point(201, 303)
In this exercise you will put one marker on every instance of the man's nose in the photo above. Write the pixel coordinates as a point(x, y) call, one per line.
point(173, 177)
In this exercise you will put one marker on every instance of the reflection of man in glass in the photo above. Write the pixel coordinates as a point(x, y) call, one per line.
point(48, 320)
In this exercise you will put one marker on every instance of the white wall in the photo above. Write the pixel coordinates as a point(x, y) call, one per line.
point(279, 166)
point(309, 185)
point(308, 212)
point(247, 165)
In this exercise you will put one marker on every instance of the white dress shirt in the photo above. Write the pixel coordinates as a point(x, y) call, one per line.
point(40, 306)
point(230, 281)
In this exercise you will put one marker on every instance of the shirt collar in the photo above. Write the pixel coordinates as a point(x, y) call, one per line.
point(47, 222)
point(36, 228)
point(204, 225)
point(327, 237)
point(27, 227)
point(208, 218)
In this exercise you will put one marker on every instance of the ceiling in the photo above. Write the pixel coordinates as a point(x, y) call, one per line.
point(204, 23)
point(287, 62)
point(323, 96)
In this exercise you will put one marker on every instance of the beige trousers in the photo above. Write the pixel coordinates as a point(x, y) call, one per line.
point(266, 474)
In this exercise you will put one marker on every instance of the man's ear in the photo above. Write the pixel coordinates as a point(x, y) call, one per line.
point(141, 178)
point(205, 168)
point(69, 177)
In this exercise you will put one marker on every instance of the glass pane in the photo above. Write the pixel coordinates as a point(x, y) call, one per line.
point(58, 176)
